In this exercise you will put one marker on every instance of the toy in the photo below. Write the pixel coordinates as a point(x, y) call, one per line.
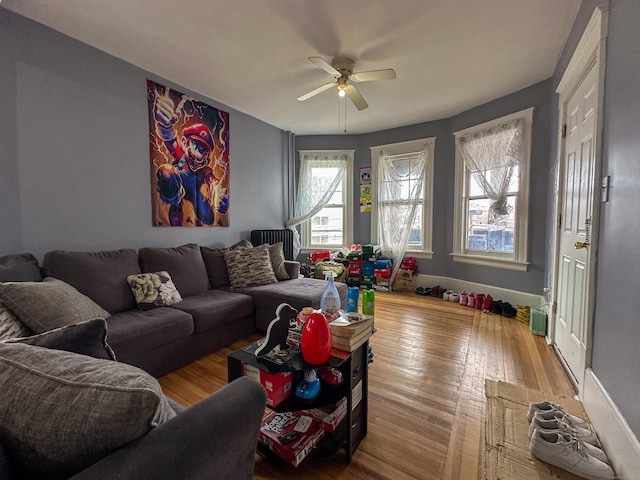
point(308, 390)
point(278, 329)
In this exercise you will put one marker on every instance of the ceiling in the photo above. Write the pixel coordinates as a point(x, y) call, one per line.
point(251, 55)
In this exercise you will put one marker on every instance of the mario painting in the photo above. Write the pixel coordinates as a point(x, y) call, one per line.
point(189, 148)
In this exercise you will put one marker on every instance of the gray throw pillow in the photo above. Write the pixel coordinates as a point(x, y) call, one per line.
point(215, 264)
point(65, 411)
point(249, 267)
point(49, 304)
point(10, 326)
point(86, 338)
point(276, 254)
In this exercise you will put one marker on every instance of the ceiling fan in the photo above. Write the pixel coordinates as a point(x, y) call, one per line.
point(342, 71)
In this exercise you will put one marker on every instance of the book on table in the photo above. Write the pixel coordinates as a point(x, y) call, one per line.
point(351, 325)
point(351, 343)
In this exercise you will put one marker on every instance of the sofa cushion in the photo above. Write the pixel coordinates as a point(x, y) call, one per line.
point(215, 264)
point(102, 276)
point(184, 264)
point(299, 293)
point(65, 411)
point(214, 308)
point(153, 290)
point(49, 304)
point(144, 330)
point(22, 267)
point(276, 254)
point(85, 338)
point(10, 326)
point(249, 266)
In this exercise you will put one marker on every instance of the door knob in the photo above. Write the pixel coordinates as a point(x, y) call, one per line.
point(580, 245)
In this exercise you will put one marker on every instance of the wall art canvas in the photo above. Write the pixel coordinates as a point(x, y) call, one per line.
point(189, 155)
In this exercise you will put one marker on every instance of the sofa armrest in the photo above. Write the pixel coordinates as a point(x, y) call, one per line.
point(216, 438)
point(293, 268)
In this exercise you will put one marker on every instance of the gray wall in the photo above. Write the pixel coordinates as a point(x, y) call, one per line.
point(538, 96)
point(616, 357)
point(74, 154)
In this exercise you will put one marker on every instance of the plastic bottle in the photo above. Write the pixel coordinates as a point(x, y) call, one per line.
point(367, 302)
point(352, 299)
point(330, 299)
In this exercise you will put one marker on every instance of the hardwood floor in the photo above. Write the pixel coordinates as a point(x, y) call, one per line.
point(426, 390)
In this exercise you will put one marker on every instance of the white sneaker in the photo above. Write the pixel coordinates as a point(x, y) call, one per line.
point(563, 424)
point(568, 453)
point(549, 410)
point(592, 450)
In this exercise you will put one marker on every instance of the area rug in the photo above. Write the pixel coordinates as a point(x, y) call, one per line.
point(507, 454)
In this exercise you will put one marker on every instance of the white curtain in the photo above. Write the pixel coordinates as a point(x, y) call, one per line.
point(400, 179)
point(492, 155)
point(315, 192)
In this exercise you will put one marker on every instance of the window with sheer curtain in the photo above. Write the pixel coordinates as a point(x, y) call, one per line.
point(324, 201)
point(492, 194)
point(402, 194)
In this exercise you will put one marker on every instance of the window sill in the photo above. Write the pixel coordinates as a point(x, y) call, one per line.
point(491, 262)
point(419, 254)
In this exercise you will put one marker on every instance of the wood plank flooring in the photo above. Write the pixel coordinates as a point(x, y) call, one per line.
point(426, 390)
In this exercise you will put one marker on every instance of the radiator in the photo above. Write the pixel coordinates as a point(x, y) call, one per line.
point(284, 235)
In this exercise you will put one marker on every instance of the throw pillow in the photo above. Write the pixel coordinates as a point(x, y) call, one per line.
point(49, 304)
point(276, 254)
point(10, 326)
point(86, 338)
point(65, 411)
point(184, 264)
point(153, 290)
point(215, 264)
point(249, 267)
point(22, 267)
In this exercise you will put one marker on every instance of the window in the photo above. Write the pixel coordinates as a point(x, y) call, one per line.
point(492, 192)
point(324, 196)
point(402, 176)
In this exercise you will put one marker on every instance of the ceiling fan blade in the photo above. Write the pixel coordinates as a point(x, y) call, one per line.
point(325, 66)
point(386, 74)
point(316, 91)
point(354, 95)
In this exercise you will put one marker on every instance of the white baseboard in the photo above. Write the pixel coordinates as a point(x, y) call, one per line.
point(620, 443)
point(512, 296)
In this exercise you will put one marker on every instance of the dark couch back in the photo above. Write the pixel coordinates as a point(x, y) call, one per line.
point(101, 276)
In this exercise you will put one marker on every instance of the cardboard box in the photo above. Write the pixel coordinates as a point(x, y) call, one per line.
point(277, 385)
point(331, 416)
point(291, 435)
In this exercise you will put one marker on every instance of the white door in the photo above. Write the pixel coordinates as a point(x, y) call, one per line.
point(571, 332)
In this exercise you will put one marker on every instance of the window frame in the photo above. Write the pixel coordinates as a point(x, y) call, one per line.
point(347, 205)
point(403, 149)
point(518, 260)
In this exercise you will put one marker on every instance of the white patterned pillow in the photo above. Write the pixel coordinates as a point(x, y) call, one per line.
point(249, 267)
point(10, 326)
point(153, 290)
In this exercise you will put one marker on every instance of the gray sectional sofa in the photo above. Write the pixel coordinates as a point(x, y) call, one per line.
point(215, 438)
point(210, 316)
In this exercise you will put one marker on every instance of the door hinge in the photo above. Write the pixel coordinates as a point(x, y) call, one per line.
point(554, 308)
point(559, 221)
point(564, 131)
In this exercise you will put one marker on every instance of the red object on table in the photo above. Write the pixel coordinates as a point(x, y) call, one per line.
point(316, 339)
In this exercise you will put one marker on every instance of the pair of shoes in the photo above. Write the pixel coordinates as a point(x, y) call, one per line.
point(471, 300)
point(508, 310)
point(486, 305)
point(549, 410)
point(479, 300)
point(564, 424)
point(496, 307)
point(423, 291)
point(462, 298)
point(437, 291)
point(570, 453)
point(450, 296)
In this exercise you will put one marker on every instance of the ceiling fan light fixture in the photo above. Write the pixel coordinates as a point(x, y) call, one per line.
point(341, 93)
